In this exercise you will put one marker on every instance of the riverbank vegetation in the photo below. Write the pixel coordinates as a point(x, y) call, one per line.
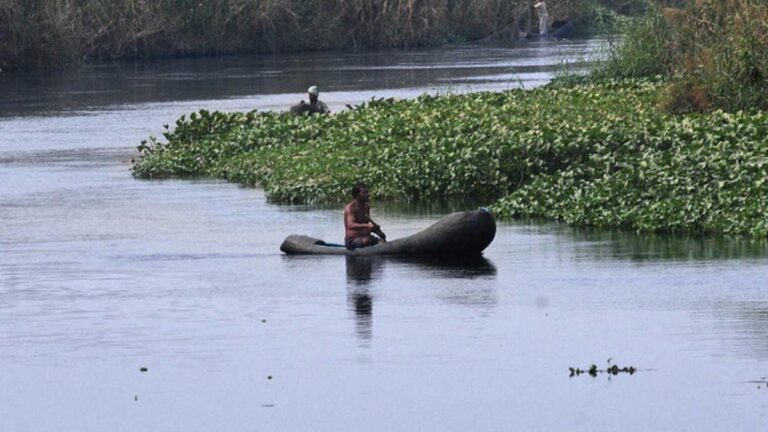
point(598, 153)
point(670, 134)
point(45, 33)
point(713, 52)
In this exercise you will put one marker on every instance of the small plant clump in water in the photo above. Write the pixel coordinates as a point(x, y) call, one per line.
point(611, 370)
point(762, 383)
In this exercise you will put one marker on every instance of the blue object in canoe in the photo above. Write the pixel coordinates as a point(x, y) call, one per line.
point(463, 233)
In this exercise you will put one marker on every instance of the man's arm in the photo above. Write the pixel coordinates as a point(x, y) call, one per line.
point(376, 228)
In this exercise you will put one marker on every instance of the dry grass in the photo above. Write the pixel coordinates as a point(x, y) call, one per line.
point(725, 52)
point(714, 51)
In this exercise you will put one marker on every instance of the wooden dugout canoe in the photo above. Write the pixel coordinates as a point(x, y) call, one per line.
point(458, 234)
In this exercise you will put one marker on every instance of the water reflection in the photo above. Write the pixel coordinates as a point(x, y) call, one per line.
point(359, 275)
point(363, 270)
point(743, 325)
point(613, 244)
point(454, 272)
point(460, 267)
point(603, 244)
point(360, 269)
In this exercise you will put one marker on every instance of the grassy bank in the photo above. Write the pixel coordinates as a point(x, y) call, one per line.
point(714, 52)
point(591, 154)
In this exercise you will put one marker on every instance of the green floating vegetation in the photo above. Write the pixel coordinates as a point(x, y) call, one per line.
point(611, 370)
point(586, 153)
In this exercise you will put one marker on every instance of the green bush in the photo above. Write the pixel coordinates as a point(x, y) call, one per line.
point(642, 51)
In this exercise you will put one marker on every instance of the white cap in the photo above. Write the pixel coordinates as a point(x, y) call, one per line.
point(313, 91)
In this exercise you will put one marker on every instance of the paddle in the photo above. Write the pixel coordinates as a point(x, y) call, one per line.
point(377, 230)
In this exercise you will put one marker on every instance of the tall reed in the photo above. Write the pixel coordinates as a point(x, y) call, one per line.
point(724, 51)
point(49, 32)
point(714, 52)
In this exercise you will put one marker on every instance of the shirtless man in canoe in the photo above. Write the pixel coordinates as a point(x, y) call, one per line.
point(358, 225)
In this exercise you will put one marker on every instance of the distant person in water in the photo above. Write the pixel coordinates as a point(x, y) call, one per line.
point(541, 8)
point(315, 105)
point(358, 225)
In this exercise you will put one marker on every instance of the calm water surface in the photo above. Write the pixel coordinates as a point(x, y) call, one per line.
point(102, 275)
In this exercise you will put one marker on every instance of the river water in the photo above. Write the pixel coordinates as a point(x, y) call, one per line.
point(130, 305)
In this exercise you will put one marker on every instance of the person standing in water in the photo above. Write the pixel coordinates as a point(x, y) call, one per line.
point(541, 8)
point(358, 225)
point(315, 105)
